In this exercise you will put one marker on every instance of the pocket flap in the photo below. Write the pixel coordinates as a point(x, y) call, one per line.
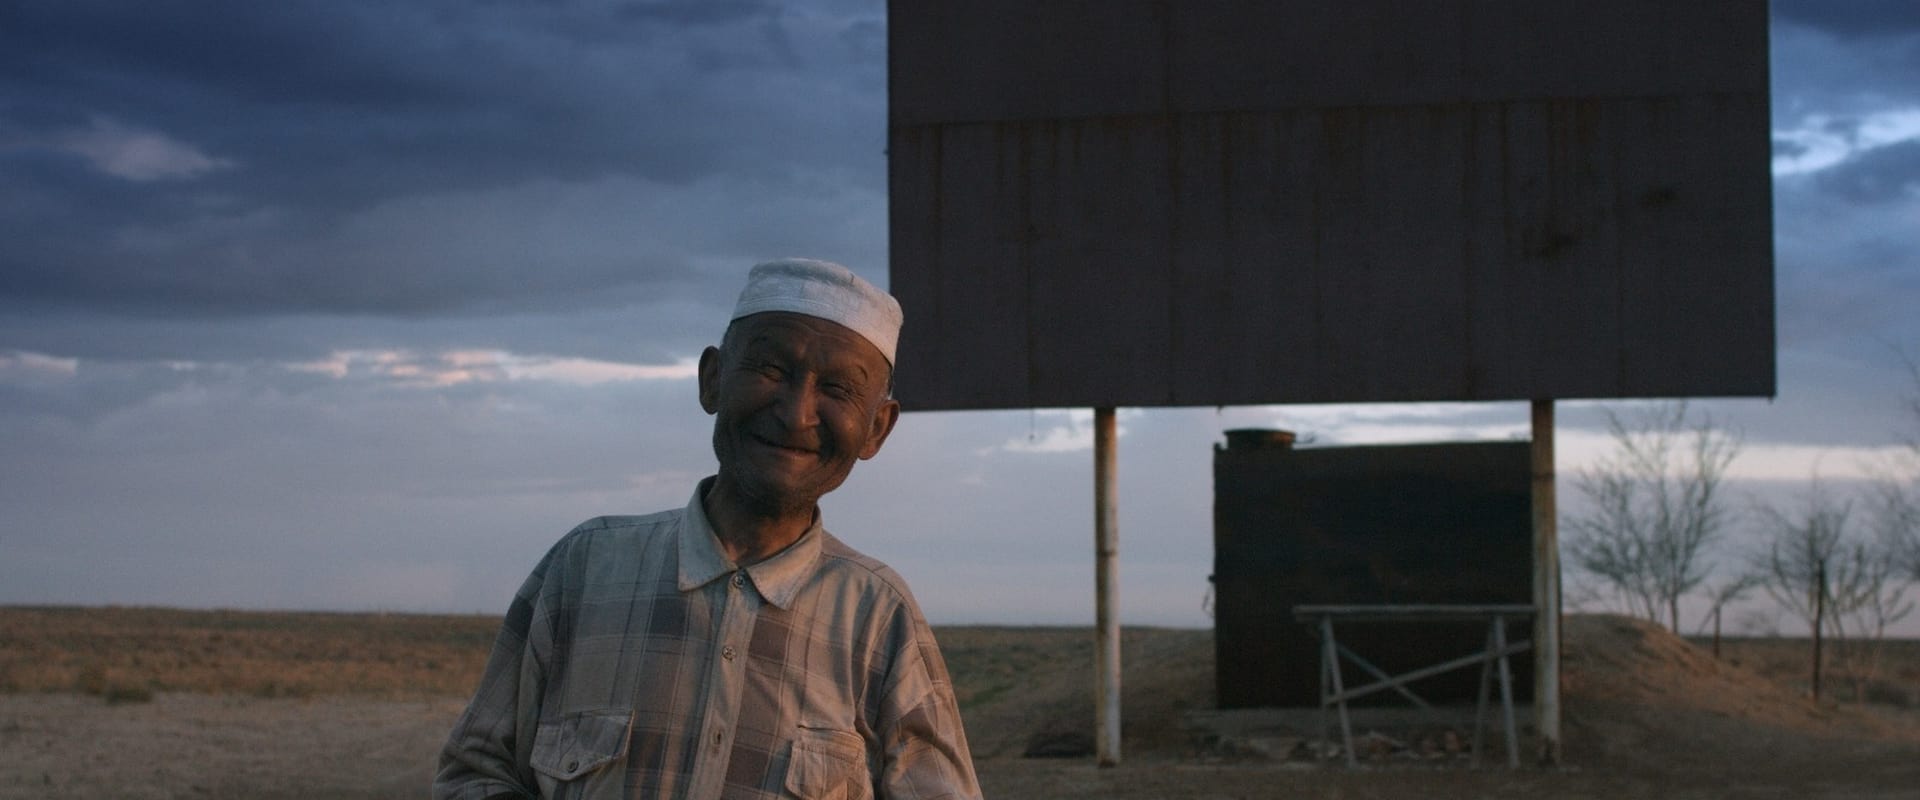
point(826, 763)
point(581, 742)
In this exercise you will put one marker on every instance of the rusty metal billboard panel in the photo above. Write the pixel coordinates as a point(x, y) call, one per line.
point(1219, 202)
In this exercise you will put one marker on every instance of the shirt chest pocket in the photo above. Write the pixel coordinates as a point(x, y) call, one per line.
point(577, 748)
point(828, 764)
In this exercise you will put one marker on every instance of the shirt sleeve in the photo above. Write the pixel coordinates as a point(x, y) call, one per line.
point(924, 746)
point(488, 753)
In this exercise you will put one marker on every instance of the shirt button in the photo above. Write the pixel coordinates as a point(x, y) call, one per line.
point(727, 652)
point(573, 765)
point(739, 580)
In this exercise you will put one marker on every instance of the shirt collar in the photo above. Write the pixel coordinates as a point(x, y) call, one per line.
point(777, 578)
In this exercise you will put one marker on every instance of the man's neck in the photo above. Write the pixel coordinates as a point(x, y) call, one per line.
point(748, 535)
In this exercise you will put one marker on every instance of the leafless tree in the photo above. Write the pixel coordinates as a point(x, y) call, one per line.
point(1655, 507)
point(1723, 595)
point(1869, 594)
point(1802, 551)
point(1818, 566)
point(1891, 559)
point(1797, 563)
point(1896, 521)
point(1896, 491)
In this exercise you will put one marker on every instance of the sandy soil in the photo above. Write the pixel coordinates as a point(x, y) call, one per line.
point(1647, 716)
point(196, 745)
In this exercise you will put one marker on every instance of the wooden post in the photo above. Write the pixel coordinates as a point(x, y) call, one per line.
point(1546, 588)
point(1106, 548)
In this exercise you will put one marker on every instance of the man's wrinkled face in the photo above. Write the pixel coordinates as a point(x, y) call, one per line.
point(796, 401)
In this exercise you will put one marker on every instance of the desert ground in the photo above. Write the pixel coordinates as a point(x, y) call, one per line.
point(162, 703)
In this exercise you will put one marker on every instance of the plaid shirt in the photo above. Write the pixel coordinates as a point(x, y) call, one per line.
point(638, 662)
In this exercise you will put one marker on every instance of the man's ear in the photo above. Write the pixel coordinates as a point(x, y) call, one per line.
point(710, 380)
point(883, 419)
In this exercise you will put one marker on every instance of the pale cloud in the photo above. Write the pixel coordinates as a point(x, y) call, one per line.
point(1580, 449)
point(587, 372)
point(1805, 462)
point(1363, 433)
point(1065, 431)
point(24, 365)
point(1396, 423)
point(341, 363)
point(1059, 439)
point(1820, 141)
point(456, 367)
point(135, 154)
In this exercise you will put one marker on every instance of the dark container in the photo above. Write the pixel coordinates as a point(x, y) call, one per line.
point(1394, 524)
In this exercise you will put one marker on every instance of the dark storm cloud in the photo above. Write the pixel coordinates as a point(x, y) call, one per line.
point(693, 12)
point(1833, 61)
point(1882, 175)
point(238, 157)
point(1846, 87)
point(1853, 18)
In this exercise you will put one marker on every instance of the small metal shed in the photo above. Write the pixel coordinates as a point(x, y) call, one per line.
point(1386, 524)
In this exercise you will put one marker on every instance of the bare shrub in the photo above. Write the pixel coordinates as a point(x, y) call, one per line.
point(1656, 506)
point(1819, 568)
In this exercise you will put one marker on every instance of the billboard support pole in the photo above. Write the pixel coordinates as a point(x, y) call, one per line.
point(1106, 548)
point(1546, 588)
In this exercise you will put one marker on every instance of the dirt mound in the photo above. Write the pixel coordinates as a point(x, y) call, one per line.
point(1632, 691)
point(1616, 661)
point(1629, 690)
point(1024, 687)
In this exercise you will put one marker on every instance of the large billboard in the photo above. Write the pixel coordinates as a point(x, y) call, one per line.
point(1223, 202)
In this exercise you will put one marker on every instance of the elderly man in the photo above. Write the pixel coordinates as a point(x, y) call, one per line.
point(732, 648)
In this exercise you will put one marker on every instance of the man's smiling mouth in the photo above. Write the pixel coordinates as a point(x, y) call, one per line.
point(783, 446)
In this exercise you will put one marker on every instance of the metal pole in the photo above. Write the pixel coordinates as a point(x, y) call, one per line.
point(1106, 548)
point(1506, 691)
point(1546, 588)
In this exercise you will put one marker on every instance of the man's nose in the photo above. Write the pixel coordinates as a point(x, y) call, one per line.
point(799, 405)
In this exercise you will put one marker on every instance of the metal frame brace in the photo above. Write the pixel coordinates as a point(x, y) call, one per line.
point(1492, 660)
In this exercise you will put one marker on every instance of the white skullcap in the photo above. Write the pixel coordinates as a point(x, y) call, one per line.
point(826, 290)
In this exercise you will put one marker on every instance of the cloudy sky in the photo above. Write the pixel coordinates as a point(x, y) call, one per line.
point(354, 305)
